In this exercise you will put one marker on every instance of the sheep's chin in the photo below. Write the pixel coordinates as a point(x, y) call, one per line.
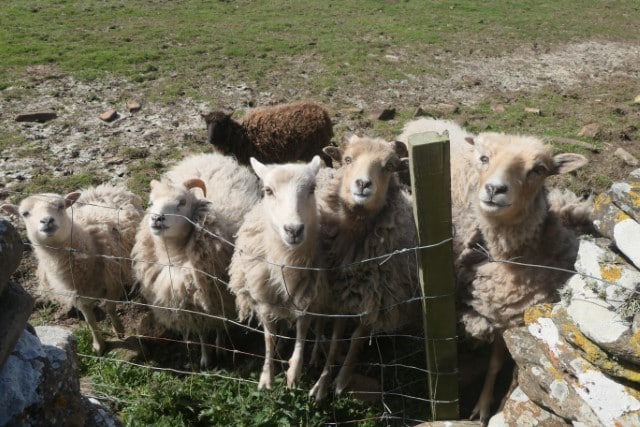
point(492, 208)
point(360, 199)
point(292, 242)
point(158, 231)
point(47, 232)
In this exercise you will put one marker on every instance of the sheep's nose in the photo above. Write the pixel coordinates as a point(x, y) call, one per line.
point(363, 183)
point(157, 218)
point(494, 189)
point(294, 231)
point(47, 220)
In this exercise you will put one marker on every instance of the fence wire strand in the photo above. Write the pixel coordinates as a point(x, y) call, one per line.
point(395, 372)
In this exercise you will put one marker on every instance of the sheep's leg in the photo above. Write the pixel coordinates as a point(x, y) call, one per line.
point(220, 343)
point(266, 378)
point(357, 341)
point(318, 326)
point(118, 328)
point(295, 362)
point(483, 406)
point(86, 308)
point(319, 389)
point(205, 352)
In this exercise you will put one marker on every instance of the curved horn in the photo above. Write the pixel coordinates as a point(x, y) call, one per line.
point(196, 183)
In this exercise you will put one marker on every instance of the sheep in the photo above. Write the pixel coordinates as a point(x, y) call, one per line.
point(82, 243)
point(276, 246)
point(276, 134)
point(500, 201)
point(184, 245)
point(365, 213)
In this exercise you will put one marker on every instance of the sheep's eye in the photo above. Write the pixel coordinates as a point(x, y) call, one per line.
point(312, 190)
point(537, 170)
point(182, 202)
point(484, 159)
point(268, 191)
point(347, 160)
point(25, 214)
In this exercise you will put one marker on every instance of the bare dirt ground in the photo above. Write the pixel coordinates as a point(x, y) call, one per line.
point(77, 141)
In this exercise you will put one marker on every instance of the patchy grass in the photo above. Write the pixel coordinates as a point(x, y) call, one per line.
point(336, 41)
point(148, 396)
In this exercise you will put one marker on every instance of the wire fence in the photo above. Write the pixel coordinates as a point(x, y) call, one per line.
point(392, 368)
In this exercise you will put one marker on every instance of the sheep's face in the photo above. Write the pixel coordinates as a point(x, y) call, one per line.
point(368, 167)
point(289, 199)
point(218, 125)
point(171, 208)
point(46, 218)
point(513, 170)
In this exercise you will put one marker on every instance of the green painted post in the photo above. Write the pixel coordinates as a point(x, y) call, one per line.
point(431, 186)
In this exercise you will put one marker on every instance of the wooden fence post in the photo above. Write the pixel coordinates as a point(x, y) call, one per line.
point(431, 186)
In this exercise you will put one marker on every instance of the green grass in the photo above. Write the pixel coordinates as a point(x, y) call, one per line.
point(147, 396)
point(339, 41)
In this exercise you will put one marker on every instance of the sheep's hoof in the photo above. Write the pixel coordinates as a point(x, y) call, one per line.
point(481, 410)
point(265, 382)
point(319, 391)
point(99, 347)
point(341, 383)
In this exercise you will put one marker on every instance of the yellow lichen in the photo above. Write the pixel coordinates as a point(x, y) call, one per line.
point(610, 273)
point(536, 312)
point(635, 342)
point(601, 201)
point(594, 354)
point(621, 216)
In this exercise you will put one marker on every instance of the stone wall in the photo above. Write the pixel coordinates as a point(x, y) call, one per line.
point(39, 377)
point(578, 361)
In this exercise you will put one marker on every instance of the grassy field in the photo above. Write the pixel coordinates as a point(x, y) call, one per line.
point(340, 53)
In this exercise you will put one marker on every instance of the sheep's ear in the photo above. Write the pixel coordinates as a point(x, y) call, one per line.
point(258, 167)
point(400, 148)
point(347, 137)
point(71, 198)
point(10, 209)
point(315, 163)
point(334, 152)
point(567, 162)
point(154, 183)
point(398, 164)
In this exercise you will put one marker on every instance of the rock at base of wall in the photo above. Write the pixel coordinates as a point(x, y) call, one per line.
point(554, 375)
point(520, 411)
point(39, 383)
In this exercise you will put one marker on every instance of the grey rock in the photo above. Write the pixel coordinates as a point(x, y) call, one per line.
point(626, 195)
point(38, 116)
point(593, 299)
point(519, 410)
point(15, 308)
point(11, 248)
point(554, 375)
point(626, 157)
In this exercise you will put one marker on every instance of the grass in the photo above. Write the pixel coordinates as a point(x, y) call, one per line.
point(339, 42)
point(144, 395)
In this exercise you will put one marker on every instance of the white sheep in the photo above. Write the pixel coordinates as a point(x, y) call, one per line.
point(82, 243)
point(500, 202)
point(184, 245)
point(365, 214)
point(273, 134)
point(276, 247)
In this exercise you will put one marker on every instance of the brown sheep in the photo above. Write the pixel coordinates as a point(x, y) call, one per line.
point(500, 201)
point(276, 134)
point(365, 213)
